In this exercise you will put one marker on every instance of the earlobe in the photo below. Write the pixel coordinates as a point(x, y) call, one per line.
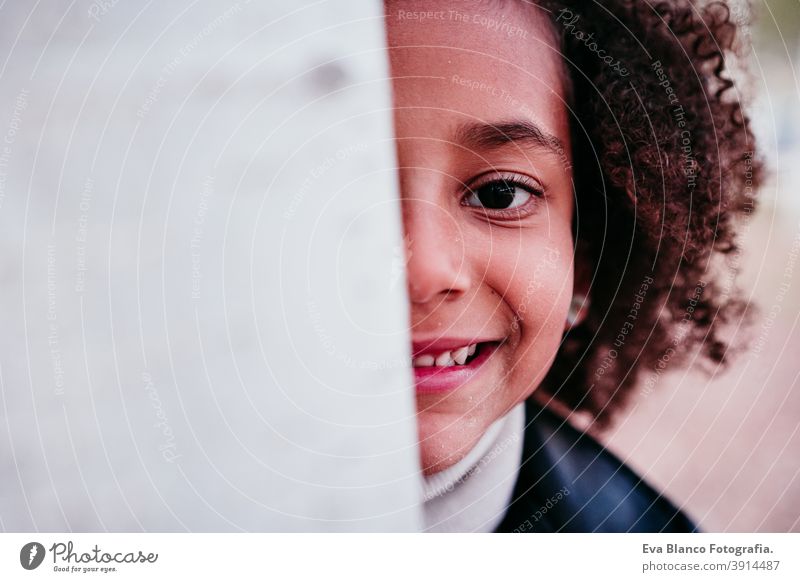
point(581, 298)
point(578, 308)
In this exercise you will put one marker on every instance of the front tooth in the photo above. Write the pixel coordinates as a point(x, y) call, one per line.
point(460, 355)
point(472, 349)
point(423, 361)
point(444, 359)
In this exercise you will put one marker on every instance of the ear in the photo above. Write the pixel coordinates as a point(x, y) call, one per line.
point(583, 269)
point(582, 278)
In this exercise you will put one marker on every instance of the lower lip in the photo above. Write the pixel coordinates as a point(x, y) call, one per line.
point(433, 379)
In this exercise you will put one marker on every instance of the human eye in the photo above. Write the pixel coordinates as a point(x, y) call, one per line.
point(504, 195)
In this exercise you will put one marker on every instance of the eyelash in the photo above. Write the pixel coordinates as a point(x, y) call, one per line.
point(518, 180)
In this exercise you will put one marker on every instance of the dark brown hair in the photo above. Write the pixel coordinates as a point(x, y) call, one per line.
point(664, 166)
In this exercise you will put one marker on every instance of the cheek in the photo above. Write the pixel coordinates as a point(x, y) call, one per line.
point(536, 283)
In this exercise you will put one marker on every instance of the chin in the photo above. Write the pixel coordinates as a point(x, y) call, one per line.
point(444, 439)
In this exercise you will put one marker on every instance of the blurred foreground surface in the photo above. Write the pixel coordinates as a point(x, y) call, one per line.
point(196, 204)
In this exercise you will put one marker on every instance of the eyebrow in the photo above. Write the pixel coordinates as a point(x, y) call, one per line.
point(477, 135)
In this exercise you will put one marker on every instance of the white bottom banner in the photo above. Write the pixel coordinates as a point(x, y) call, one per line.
point(112, 556)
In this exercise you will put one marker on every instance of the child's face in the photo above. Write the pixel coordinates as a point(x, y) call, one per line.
point(482, 131)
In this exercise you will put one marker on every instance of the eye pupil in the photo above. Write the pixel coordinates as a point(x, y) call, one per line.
point(497, 195)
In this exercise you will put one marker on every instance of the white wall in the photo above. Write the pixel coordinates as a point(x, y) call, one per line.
point(203, 316)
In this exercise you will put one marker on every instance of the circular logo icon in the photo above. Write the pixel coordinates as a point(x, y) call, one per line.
point(31, 555)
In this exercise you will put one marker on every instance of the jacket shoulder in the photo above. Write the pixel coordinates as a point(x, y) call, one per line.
point(569, 482)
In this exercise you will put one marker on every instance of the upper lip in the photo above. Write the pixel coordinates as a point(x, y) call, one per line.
point(443, 344)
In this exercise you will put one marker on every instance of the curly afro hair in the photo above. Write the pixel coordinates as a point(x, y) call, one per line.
point(665, 173)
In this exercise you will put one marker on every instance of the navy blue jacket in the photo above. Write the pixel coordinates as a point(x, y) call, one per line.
point(569, 483)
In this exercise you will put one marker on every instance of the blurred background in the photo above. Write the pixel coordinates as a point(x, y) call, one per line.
point(727, 448)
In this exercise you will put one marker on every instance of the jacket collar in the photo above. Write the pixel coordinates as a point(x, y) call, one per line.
point(568, 482)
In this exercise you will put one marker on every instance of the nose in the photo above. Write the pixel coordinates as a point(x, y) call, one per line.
point(437, 266)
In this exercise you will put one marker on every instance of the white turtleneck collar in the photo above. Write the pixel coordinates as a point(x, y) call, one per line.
point(473, 495)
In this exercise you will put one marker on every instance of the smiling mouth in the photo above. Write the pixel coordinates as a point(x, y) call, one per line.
point(462, 356)
point(451, 369)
